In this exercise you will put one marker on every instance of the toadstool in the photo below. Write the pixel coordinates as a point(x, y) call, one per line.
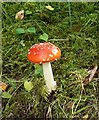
point(44, 53)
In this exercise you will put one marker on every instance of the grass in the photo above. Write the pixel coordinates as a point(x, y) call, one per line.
point(72, 27)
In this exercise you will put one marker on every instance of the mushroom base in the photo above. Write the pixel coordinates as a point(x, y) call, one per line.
point(48, 76)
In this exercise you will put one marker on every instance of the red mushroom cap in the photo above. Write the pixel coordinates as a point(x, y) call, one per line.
point(43, 52)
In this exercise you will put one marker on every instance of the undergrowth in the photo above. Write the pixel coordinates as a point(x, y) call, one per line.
point(75, 34)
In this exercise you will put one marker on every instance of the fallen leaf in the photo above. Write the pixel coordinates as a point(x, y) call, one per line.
point(85, 117)
point(89, 78)
point(49, 7)
point(3, 86)
point(20, 15)
point(70, 105)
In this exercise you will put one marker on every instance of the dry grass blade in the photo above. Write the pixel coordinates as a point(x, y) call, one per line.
point(49, 114)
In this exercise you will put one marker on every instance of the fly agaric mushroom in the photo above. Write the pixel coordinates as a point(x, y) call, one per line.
point(44, 53)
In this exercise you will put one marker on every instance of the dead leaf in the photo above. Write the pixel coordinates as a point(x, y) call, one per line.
point(70, 105)
point(20, 15)
point(75, 28)
point(49, 7)
point(3, 86)
point(89, 78)
point(85, 117)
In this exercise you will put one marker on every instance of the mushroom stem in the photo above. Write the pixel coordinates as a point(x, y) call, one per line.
point(48, 76)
